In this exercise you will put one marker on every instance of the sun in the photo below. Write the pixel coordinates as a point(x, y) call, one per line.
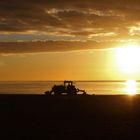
point(128, 57)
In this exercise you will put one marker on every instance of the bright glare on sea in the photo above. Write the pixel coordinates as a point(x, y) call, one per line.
point(98, 88)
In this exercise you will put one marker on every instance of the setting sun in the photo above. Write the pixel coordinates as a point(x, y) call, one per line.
point(128, 58)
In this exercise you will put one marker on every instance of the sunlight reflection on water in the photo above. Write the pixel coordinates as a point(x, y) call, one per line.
point(131, 87)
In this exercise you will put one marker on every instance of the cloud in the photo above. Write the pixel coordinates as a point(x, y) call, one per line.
point(50, 46)
point(67, 20)
point(68, 17)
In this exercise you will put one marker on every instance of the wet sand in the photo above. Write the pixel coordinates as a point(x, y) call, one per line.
point(65, 117)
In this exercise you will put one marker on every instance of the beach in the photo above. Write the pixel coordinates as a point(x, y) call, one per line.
point(70, 117)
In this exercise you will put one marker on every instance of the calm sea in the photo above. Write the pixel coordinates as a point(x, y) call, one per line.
point(37, 87)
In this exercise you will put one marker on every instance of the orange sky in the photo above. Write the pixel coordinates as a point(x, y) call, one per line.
point(80, 65)
point(69, 40)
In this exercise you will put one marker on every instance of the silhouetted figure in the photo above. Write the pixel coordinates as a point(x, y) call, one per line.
point(67, 88)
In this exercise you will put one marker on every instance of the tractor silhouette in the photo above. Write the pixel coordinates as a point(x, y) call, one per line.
point(67, 88)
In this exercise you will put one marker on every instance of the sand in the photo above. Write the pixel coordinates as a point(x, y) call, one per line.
point(70, 117)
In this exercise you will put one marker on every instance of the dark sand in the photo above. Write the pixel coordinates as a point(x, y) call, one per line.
point(65, 117)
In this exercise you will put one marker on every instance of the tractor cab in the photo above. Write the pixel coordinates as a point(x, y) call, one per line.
point(68, 83)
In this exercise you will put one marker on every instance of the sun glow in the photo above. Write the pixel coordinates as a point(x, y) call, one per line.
point(128, 57)
point(131, 87)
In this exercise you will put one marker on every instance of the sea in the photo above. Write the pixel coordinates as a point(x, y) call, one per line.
point(91, 87)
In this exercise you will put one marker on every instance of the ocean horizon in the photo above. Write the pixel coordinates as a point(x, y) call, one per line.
point(104, 87)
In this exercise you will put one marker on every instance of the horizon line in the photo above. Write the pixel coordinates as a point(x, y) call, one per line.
point(66, 80)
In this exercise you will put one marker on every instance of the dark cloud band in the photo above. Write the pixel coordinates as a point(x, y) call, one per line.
point(50, 46)
point(68, 16)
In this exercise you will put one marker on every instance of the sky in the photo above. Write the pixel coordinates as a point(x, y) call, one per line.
point(69, 39)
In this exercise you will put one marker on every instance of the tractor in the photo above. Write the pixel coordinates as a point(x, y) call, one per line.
point(66, 89)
